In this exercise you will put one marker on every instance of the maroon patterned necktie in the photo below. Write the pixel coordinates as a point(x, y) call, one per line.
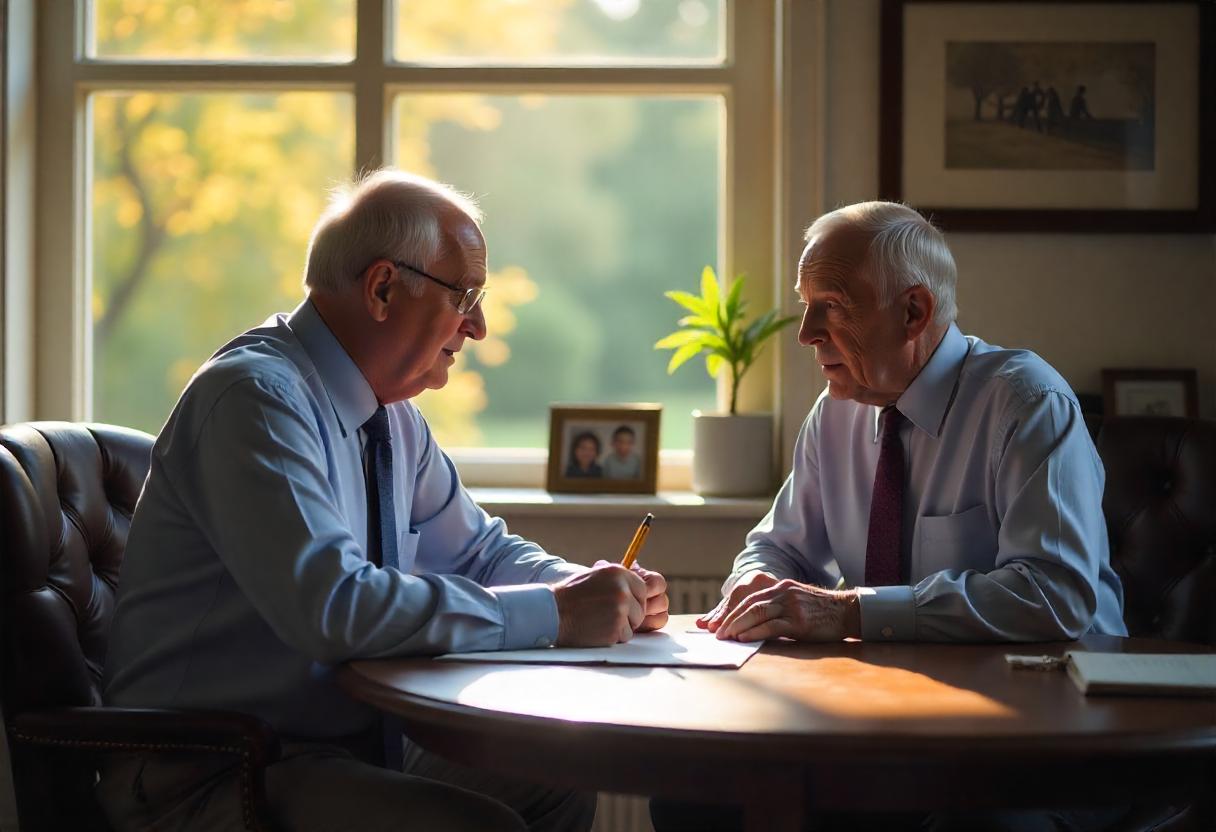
point(887, 506)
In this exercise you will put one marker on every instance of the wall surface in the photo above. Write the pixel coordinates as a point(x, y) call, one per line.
point(676, 546)
point(1082, 301)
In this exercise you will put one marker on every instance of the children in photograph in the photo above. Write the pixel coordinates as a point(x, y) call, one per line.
point(623, 462)
point(584, 450)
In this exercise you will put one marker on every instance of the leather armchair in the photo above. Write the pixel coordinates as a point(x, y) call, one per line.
point(1160, 507)
point(67, 492)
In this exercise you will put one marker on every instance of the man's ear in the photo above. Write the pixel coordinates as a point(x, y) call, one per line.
point(376, 282)
point(919, 306)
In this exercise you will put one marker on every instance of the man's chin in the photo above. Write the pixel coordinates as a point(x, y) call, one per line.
point(840, 392)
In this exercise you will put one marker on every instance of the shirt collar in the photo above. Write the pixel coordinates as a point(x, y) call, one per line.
point(349, 393)
point(929, 396)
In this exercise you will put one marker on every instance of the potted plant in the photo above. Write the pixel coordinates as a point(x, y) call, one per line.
point(732, 452)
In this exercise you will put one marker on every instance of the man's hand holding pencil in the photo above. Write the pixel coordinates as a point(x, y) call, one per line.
point(611, 601)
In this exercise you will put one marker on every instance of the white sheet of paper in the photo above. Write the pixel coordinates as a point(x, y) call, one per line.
point(678, 644)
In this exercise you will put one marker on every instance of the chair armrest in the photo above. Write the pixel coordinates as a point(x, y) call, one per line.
point(162, 730)
point(150, 729)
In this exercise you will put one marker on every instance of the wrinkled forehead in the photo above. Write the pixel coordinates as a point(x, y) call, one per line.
point(463, 240)
point(832, 261)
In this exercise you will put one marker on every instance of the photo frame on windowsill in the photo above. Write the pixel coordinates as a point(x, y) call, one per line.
point(1150, 392)
point(1026, 116)
point(607, 449)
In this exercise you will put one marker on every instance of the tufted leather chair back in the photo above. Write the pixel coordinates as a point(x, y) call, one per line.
point(67, 492)
point(1160, 507)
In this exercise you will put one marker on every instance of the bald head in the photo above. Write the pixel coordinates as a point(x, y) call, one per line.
point(393, 215)
point(894, 248)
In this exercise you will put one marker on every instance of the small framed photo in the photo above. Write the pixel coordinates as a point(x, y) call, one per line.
point(604, 448)
point(1133, 392)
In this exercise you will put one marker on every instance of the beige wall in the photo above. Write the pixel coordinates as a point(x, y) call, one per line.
point(1082, 301)
point(676, 545)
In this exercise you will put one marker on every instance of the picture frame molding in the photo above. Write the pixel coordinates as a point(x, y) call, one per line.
point(890, 142)
point(649, 413)
point(1186, 376)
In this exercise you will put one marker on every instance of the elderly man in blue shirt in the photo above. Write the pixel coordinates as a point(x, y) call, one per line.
point(943, 489)
point(298, 513)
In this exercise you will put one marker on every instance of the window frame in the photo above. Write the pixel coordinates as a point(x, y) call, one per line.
point(758, 79)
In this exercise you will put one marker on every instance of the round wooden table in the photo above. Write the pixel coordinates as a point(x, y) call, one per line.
point(848, 726)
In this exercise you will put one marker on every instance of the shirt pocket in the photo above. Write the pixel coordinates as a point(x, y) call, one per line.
point(407, 550)
point(955, 542)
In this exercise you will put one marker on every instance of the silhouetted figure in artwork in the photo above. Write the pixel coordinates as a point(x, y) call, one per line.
point(1036, 105)
point(1022, 106)
point(1077, 108)
point(1055, 110)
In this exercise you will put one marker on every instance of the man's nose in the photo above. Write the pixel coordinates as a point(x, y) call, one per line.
point(809, 332)
point(474, 325)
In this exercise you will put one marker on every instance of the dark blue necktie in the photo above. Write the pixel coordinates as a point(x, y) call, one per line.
point(381, 519)
point(382, 541)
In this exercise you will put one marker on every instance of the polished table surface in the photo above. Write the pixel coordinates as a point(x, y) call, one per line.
point(845, 726)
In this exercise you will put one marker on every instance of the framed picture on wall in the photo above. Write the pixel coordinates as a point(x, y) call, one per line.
point(604, 448)
point(1150, 392)
point(1038, 116)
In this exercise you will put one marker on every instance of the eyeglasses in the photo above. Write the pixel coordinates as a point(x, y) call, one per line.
point(470, 298)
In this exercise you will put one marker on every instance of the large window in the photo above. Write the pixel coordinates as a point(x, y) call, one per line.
point(594, 204)
point(607, 140)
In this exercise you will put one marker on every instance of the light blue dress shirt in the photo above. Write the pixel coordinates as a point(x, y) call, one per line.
point(245, 581)
point(1003, 532)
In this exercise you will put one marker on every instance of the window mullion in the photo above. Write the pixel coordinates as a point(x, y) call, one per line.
point(371, 102)
point(60, 319)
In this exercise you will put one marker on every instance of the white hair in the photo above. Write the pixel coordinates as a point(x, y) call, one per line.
point(386, 213)
point(905, 250)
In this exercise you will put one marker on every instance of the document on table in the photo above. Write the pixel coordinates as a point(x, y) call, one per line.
point(679, 644)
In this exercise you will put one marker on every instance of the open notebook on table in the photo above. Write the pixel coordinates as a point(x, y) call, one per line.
point(679, 644)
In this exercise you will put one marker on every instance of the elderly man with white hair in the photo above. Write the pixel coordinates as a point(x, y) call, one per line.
point(943, 489)
point(298, 513)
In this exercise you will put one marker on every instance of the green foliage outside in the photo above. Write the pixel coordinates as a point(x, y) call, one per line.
point(203, 202)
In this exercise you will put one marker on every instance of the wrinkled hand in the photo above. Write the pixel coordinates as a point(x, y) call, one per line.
point(600, 607)
point(656, 599)
point(797, 611)
point(750, 583)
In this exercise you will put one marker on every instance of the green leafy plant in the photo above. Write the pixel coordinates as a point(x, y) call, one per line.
point(716, 328)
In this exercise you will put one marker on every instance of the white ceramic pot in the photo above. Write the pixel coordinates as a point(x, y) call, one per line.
point(732, 456)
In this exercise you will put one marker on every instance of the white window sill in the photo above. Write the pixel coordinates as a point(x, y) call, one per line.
point(536, 502)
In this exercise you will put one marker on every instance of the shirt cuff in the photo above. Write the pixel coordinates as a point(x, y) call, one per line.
point(529, 615)
point(888, 613)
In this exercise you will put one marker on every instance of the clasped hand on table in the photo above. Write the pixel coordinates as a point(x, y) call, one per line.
point(761, 607)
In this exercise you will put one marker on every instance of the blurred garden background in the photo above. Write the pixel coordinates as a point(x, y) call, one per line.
point(596, 202)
